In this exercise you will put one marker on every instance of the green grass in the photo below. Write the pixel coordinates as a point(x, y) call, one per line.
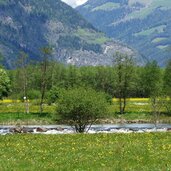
point(14, 113)
point(28, 119)
point(163, 47)
point(159, 39)
point(109, 6)
point(150, 31)
point(91, 37)
point(136, 109)
point(79, 152)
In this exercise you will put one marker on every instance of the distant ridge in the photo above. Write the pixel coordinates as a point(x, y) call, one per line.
point(28, 25)
point(144, 25)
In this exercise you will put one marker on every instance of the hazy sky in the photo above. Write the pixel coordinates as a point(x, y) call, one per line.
point(74, 3)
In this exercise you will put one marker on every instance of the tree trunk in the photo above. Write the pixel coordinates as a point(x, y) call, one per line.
point(124, 105)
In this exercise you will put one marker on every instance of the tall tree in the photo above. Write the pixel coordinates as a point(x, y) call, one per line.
point(167, 85)
point(152, 83)
point(105, 80)
point(22, 74)
point(4, 83)
point(124, 68)
point(46, 52)
point(151, 79)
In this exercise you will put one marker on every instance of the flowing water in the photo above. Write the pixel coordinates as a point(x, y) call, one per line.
point(105, 128)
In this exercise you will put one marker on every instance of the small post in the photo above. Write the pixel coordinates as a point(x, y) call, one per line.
point(26, 104)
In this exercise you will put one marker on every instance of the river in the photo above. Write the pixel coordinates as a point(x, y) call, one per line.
point(104, 128)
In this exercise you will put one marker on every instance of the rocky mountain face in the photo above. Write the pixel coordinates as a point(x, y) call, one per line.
point(142, 24)
point(28, 25)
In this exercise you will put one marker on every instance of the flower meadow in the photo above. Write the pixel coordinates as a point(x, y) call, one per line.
point(103, 152)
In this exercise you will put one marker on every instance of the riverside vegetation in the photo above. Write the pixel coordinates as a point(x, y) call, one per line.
point(137, 110)
point(123, 80)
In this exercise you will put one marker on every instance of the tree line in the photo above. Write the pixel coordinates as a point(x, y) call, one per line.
point(124, 79)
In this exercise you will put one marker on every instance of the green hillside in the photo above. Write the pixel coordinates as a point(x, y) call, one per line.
point(144, 25)
point(30, 25)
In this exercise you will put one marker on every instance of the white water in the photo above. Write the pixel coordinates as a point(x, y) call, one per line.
point(107, 128)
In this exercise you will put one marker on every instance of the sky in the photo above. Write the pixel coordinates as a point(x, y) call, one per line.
point(74, 3)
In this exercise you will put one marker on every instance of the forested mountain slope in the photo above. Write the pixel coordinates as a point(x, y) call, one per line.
point(28, 25)
point(143, 24)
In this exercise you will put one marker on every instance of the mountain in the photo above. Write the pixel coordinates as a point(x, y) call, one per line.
point(142, 24)
point(28, 25)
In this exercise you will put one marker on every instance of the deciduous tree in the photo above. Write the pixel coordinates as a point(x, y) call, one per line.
point(124, 68)
point(167, 85)
point(4, 83)
point(46, 52)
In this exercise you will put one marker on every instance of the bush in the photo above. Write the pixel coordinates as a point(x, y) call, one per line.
point(80, 107)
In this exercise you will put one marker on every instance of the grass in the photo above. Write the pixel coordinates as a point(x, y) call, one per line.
point(150, 31)
point(79, 152)
point(159, 39)
point(109, 6)
point(26, 119)
point(163, 47)
point(91, 37)
point(14, 113)
point(137, 109)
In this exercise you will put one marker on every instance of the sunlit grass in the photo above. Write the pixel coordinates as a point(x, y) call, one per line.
point(134, 99)
point(10, 101)
point(15, 112)
point(101, 152)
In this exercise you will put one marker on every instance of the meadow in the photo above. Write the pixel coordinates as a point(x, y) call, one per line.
point(138, 109)
point(101, 152)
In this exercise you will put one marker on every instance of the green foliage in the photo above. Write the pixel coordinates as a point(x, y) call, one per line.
point(54, 94)
point(123, 80)
point(4, 83)
point(81, 107)
point(33, 94)
point(167, 85)
point(151, 79)
point(124, 68)
point(167, 79)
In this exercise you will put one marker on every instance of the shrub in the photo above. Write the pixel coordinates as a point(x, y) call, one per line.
point(80, 107)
